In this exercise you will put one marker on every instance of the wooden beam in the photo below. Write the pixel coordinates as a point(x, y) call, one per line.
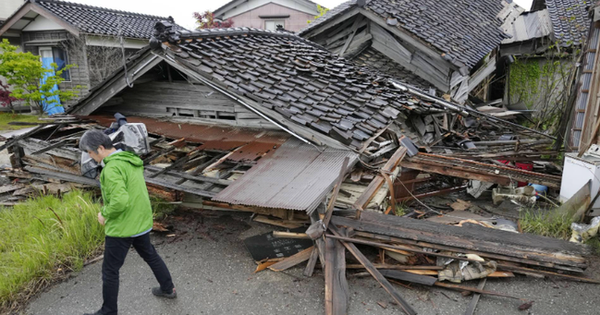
point(312, 261)
point(442, 170)
point(376, 274)
point(493, 256)
point(336, 190)
point(351, 36)
point(473, 304)
point(293, 260)
point(363, 201)
point(471, 237)
point(281, 234)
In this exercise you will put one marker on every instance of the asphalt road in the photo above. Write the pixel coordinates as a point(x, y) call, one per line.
point(213, 274)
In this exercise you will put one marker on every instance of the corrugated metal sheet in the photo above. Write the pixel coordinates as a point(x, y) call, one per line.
point(528, 26)
point(296, 177)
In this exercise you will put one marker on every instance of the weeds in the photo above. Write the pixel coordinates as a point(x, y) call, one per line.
point(41, 237)
point(546, 223)
point(161, 208)
point(401, 209)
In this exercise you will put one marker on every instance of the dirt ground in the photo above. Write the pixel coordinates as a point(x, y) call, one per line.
point(213, 273)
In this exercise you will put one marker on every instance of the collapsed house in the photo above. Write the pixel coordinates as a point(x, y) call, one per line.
point(446, 46)
point(271, 123)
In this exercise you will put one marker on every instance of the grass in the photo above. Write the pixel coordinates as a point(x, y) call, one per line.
point(161, 208)
point(42, 238)
point(5, 118)
point(546, 223)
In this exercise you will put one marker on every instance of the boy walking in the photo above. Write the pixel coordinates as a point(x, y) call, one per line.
point(127, 217)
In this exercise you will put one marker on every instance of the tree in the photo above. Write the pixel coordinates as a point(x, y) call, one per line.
point(6, 100)
point(30, 81)
point(322, 11)
point(207, 20)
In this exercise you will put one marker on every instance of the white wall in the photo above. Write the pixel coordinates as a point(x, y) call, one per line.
point(8, 7)
point(42, 24)
point(249, 5)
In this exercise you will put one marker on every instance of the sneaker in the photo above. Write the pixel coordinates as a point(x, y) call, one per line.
point(158, 292)
point(96, 313)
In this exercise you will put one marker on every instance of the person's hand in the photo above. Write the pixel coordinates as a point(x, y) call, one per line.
point(101, 219)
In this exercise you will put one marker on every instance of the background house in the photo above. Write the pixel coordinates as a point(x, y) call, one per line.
point(541, 57)
point(293, 15)
point(71, 33)
point(439, 45)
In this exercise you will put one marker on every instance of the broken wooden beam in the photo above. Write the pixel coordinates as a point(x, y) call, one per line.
point(366, 197)
point(473, 304)
point(472, 237)
point(376, 274)
point(293, 260)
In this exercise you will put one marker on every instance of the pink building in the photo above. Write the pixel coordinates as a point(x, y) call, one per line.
point(293, 15)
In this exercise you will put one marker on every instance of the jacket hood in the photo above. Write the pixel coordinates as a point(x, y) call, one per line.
point(125, 156)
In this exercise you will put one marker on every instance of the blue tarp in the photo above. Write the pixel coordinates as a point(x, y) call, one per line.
point(54, 107)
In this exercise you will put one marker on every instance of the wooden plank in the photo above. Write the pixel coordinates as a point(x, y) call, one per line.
point(292, 260)
point(63, 176)
point(312, 262)
point(376, 274)
point(354, 28)
point(336, 190)
point(345, 32)
point(340, 284)
point(278, 222)
point(493, 256)
point(281, 234)
point(443, 170)
point(190, 190)
point(472, 237)
point(410, 277)
point(329, 274)
point(382, 37)
point(473, 304)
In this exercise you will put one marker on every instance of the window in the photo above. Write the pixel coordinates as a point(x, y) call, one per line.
point(271, 25)
point(57, 55)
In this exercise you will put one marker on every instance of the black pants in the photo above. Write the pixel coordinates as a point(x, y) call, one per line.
point(115, 251)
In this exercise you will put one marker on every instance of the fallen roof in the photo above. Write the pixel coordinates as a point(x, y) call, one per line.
point(464, 31)
point(297, 176)
point(293, 79)
point(90, 19)
point(570, 21)
point(529, 25)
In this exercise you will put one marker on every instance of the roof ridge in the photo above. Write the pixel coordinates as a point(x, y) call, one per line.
point(241, 31)
point(81, 5)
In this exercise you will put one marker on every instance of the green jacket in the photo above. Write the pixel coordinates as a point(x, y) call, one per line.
point(127, 208)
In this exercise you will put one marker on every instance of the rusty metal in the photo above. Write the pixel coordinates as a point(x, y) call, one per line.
point(297, 177)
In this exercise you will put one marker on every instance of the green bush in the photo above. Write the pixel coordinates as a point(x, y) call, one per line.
point(42, 235)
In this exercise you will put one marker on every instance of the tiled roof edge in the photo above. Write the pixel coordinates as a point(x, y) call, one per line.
point(73, 4)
